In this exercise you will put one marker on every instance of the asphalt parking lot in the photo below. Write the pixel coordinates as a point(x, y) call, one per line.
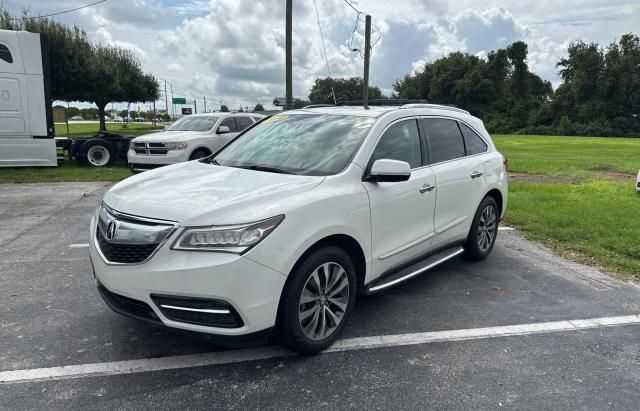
point(503, 333)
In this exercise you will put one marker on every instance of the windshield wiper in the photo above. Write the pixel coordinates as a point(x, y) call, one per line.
point(215, 162)
point(268, 169)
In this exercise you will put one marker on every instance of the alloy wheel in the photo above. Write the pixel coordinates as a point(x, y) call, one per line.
point(323, 301)
point(487, 226)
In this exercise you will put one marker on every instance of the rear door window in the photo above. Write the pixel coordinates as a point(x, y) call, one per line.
point(473, 143)
point(243, 122)
point(445, 139)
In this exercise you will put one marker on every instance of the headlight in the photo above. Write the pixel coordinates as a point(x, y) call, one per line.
point(176, 146)
point(131, 144)
point(232, 239)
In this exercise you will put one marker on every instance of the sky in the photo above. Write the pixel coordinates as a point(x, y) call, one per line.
point(232, 51)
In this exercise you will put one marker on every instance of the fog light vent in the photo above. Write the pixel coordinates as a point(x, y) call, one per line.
point(199, 311)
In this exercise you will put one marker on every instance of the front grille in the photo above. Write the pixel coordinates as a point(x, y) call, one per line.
point(184, 309)
point(124, 253)
point(128, 306)
point(153, 149)
point(125, 239)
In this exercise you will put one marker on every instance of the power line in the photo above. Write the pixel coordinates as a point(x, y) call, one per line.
point(359, 19)
point(351, 5)
point(60, 12)
point(324, 49)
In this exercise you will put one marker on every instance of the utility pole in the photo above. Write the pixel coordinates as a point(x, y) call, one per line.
point(288, 59)
point(173, 106)
point(367, 55)
point(195, 106)
point(205, 103)
point(166, 98)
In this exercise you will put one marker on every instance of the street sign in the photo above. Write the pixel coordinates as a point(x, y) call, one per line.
point(179, 100)
point(186, 111)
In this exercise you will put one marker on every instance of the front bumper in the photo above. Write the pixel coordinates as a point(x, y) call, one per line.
point(141, 162)
point(251, 290)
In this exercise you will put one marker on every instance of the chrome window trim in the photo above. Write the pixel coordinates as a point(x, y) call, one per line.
point(133, 217)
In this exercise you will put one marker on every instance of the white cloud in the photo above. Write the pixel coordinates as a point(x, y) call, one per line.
point(233, 50)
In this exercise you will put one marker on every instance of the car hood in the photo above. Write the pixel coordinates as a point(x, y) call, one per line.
point(196, 193)
point(172, 136)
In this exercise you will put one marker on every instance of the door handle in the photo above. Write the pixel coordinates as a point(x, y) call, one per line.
point(476, 174)
point(425, 188)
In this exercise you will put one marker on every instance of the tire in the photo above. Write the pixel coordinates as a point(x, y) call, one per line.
point(199, 153)
point(97, 153)
point(296, 319)
point(482, 235)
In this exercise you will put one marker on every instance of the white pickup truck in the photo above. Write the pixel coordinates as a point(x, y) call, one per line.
point(26, 120)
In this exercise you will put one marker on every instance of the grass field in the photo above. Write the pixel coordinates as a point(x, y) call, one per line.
point(69, 170)
point(87, 129)
point(573, 194)
point(582, 202)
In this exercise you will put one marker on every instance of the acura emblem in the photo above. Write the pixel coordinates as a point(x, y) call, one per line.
point(111, 230)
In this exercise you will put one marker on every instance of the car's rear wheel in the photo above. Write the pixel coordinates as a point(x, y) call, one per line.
point(318, 300)
point(484, 230)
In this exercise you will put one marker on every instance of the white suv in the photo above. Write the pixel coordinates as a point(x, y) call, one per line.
point(287, 223)
point(189, 138)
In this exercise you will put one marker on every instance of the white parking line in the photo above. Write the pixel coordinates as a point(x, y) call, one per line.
point(351, 344)
point(79, 245)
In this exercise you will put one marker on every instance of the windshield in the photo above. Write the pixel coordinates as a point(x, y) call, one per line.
point(309, 144)
point(203, 123)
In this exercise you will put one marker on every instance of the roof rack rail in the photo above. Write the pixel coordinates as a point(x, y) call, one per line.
point(381, 102)
point(436, 106)
point(319, 105)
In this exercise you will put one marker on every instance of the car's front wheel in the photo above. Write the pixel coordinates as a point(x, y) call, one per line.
point(484, 230)
point(317, 301)
point(199, 153)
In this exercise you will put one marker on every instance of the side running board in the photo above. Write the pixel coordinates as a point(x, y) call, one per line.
point(419, 267)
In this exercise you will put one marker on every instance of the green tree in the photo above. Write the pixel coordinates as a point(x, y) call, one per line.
point(116, 76)
point(345, 89)
point(224, 108)
point(258, 107)
point(299, 103)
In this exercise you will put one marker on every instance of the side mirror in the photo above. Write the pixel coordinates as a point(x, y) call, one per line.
point(223, 130)
point(384, 170)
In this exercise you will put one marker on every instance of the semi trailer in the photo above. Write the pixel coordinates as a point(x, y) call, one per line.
point(27, 136)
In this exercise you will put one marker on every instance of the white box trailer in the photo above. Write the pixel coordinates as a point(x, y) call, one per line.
point(26, 118)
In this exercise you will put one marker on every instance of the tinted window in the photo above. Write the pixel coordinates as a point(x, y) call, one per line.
point(243, 122)
point(400, 142)
point(5, 54)
point(472, 142)
point(445, 140)
point(309, 144)
point(229, 122)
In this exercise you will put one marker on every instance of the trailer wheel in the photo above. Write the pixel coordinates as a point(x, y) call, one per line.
point(98, 153)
